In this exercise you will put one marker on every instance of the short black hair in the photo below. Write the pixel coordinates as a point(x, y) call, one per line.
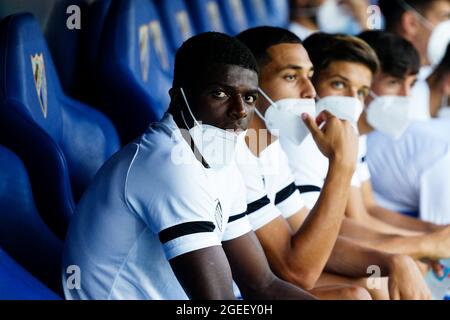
point(259, 39)
point(397, 56)
point(393, 10)
point(324, 49)
point(199, 52)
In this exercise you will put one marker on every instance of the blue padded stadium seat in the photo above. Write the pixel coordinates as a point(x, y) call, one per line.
point(65, 45)
point(97, 12)
point(23, 234)
point(256, 13)
point(61, 141)
point(278, 12)
point(176, 21)
point(135, 68)
point(17, 284)
point(206, 15)
point(234, 16)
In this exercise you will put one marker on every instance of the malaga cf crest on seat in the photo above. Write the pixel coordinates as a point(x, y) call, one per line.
point(40, 80)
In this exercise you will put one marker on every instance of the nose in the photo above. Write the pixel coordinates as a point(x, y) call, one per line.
point(353, 92)
point(238, 109)
point(405, 90)
point(307, 90)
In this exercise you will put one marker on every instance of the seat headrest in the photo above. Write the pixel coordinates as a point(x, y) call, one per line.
point(234, 16)
point(134, 37)
point(28, 72)
point(176, 20)
point(206, 15)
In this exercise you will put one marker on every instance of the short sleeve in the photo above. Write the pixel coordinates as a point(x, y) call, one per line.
point(238, 223)
point(362, 168)
point(287, 197)
point(177, 205)
point(260, 210)
point(434, 182)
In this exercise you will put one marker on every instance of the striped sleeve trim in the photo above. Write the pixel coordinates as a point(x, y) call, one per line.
point(257, 204)
point(184, 229)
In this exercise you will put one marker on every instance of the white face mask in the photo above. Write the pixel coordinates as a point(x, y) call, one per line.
point(333, 17)
point(217, 146)
point(346, 108)
point(439, 38)
point(438, 42)
point(390, 114)
point(283, 118)
point(444, 110)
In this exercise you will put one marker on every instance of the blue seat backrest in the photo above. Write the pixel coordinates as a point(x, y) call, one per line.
point(256, 12)
point(62, 141)
point(17, 284)
point(23, 234)
point(135, 67)
point(65, 44)
point(277, 12)
point(97, 12)
point(176, 21)
point(234, 16)
point(206, 15)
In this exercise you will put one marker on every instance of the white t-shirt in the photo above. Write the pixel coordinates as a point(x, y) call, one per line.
point(145, 207)
point(300, 31)
point(310, 167)
point(420, 96)
point(412, 174)
point(271, 191)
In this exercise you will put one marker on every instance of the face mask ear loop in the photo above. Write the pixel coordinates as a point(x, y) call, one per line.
point(268, 99)
point(189, 109)
point(408, 7)
point(373, 94)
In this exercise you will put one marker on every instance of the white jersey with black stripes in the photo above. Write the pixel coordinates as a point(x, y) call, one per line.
point(152, 201)
point(271, 191)
point(309, 167)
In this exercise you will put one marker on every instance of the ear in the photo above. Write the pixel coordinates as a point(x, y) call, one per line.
point(409, 25)
point(446, 84)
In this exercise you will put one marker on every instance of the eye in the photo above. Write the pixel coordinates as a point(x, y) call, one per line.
point(250, 99)
point(338, 85)
point(219, 94)
point(363, 93)
point(310, 75)
point(290, 77)
point(393, 82)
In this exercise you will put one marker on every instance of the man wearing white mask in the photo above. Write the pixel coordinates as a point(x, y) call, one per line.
point(344, 67)
point(410, 174)
point(165, 217)
point(426, 24)
point(309, 16)
point(301, 244)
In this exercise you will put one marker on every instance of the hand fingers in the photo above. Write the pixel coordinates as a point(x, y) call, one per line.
point(324, 116)
point(311, 124)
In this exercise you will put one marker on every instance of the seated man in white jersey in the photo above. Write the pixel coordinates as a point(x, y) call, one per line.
point(344, 67)
point(165, 216)
point(410, 174)
point(426, 24)
point(299, 250)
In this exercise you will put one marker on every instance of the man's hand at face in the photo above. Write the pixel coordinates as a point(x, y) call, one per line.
point(406, 281)
point(336, 139)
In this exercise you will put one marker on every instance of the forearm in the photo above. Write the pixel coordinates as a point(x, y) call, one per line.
point(351, 259)
point(414, 246)
point(312, 244)
point(401, 220)
point(385, 226)
point(277, 289)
